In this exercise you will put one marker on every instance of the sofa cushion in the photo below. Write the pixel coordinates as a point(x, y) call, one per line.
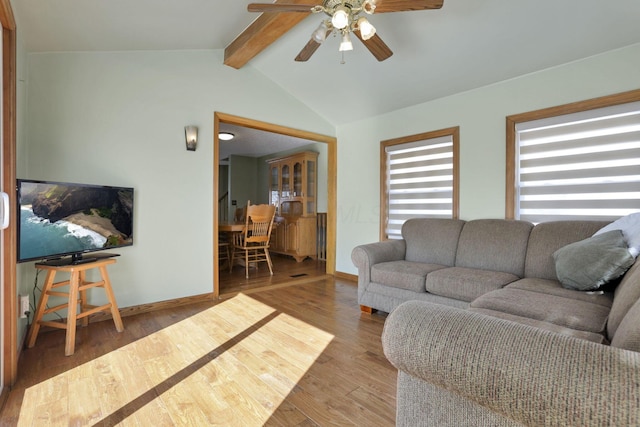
point(626, 294)
point(553, 287)
point(590, 263)
point(548, 237)
point(494, 244)
point(432, 240)
point(589, 336)
point(403, 274)
point(466, 284)
point(570, 313)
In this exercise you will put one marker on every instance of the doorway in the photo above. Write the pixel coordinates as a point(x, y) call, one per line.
point(222, 119)
point(9, 323)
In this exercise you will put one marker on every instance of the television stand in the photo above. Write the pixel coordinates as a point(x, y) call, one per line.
point(77, 295)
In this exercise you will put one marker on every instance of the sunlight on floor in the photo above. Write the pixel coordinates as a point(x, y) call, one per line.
point(232, 364)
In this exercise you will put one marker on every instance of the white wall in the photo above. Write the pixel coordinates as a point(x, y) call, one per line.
point(118, 118)
point(481, 116)
point(23, 288)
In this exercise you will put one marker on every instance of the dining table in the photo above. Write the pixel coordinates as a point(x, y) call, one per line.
point(230, 226)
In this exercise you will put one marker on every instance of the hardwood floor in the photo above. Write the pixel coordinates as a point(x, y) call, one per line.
point(299, 355)
point(285, 271)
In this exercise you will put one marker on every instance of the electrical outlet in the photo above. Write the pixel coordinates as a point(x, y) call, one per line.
point(24, 306)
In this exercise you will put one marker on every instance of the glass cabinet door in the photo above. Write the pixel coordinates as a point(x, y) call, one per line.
point(285, 187)
point(274, 193)
point(297, 179)
point(311, 187)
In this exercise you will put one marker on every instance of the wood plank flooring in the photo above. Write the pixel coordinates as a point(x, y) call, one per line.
point(299, 355)
point(285, 270)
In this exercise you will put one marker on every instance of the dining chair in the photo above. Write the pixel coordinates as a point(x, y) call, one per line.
point(224, 251)
point(253, 242)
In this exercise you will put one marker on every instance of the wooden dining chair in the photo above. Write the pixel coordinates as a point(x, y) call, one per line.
point(224, 251)
point(253, 242)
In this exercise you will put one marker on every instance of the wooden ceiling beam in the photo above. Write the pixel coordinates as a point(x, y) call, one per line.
point(265, 30)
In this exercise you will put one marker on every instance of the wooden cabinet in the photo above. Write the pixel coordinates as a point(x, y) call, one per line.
point(293, 190)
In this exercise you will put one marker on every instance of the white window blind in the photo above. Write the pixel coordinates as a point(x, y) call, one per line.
point(584, 165)
point(419, 181)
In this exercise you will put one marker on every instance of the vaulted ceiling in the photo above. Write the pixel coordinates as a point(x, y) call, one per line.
point(464, 45)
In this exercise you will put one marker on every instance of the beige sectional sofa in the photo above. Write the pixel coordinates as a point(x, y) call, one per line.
point(483, 332)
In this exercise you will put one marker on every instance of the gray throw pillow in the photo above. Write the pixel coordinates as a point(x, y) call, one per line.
point(590, 263)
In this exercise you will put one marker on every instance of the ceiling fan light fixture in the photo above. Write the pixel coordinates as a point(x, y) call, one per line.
point(340, 18)
point(366, 29)
point(346, 44)
point(369, 6)
point(320, 34)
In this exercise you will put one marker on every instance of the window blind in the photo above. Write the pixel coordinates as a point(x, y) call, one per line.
point(584, 165)
point(419, 181)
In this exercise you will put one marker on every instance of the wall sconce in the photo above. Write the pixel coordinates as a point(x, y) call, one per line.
point(191, 137)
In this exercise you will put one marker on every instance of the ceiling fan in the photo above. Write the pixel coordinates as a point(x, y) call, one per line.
point(344, 17)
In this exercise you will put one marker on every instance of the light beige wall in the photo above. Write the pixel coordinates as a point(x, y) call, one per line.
point(118, 118)
point(481, 116)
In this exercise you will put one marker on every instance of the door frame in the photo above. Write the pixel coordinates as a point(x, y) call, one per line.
point(331, 142)
point(10, 349)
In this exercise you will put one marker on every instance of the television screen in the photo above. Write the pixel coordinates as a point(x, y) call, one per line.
point(59, 219)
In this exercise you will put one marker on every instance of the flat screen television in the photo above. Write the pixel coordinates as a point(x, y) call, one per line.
point(61, 220)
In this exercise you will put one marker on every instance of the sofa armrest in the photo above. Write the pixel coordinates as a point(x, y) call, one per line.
point(529, 375)
point(365, 256)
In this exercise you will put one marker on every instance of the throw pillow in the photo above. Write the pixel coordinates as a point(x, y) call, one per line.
point(590, 263)
point(630, 226)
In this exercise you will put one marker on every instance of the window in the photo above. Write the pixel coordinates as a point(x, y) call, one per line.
point(580, 161)
point(419, 178)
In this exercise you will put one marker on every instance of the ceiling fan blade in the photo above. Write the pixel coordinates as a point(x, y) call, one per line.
point(309, 49)
point(279, 7)
point(384, 6)
point(376, 46)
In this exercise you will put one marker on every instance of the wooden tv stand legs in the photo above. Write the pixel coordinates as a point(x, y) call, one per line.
point(77, 295)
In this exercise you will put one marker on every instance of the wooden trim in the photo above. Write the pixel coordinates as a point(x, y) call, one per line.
point(574, 107)
point(384, 206)
point(332, 182)
point(456, 172)
point(7, 19)
point(346, 276)
point(455, 134)
point(216, 205)
point(510, 175)
point(270, 127)
point(10, 349)
point(150, 307)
